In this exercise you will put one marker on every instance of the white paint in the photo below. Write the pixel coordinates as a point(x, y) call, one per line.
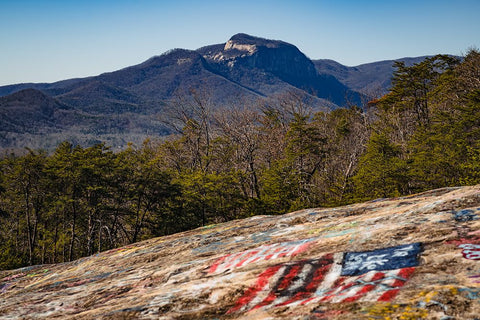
point(265, 291)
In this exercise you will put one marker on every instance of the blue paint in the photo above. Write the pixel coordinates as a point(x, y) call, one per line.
point(404, 256)
point(212, 247)
point(5, 287)
point(471, 293)
point(465, 215)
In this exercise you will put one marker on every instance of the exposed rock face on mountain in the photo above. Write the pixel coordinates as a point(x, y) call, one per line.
point(131, 100)
point(270, 66)
point(416, 257)
point(277, 57)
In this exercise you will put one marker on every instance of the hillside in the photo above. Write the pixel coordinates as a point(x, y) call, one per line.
point(126, 105)
point(31, 118)
point(414, 257)
point(370, 78)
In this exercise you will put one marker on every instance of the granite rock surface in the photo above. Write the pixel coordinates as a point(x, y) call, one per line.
point(415, 257)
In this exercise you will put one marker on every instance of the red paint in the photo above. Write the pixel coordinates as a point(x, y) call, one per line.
point(310, 287)
point(366, 288)
point(339, 291)
point(287, 279)
point(317, 278)
point(302, 248)
point(339, 282)
point(251, 292)
point(347, 287)
point(244, 259)
point(470, 251)
point(471, 255)
point(307, 301)
point(404, 273)
point(255, 260)
point(232, 259)
point(214, 267)
point(285, 283)
point(261, 253)
point(330, 294)
point(388, 295)
point(474, 240)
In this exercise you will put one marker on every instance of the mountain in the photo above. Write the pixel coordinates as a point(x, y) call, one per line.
point(126, 105)
point(99, 97)
point(370, 78)
point(31, 118)
point(38, 111)
point(414, 257)
point(269, 67)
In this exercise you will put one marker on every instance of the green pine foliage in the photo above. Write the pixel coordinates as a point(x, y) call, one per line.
point(381, 172)
point(244, 161)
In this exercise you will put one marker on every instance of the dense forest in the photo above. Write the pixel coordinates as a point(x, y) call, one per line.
point(242, 160)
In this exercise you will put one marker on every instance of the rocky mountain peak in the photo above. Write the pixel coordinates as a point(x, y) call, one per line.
point(277, 57)
point(250, 44)
point(245, 39)
point(250, 48)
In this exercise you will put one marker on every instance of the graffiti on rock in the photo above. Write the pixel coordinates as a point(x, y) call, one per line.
point(220, 243)
point(465, 215)
point(476, 278)
point(370, 286)
point(356, 263)
point(265, 252)
point(470, 293)
point(5, 286)
point(8, 282)
point(280, 283)
point(470, 251)
point(319, 281)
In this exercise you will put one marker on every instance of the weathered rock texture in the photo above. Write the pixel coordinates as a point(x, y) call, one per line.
point(406, 258)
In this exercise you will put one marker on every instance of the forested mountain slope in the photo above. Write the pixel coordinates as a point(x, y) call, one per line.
point(127, 105)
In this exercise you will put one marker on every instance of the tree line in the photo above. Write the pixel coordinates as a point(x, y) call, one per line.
point(248, 159)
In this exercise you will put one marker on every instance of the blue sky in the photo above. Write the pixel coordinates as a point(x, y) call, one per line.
point(50, 40)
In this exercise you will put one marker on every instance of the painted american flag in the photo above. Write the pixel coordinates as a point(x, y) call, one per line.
point(321, 280)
